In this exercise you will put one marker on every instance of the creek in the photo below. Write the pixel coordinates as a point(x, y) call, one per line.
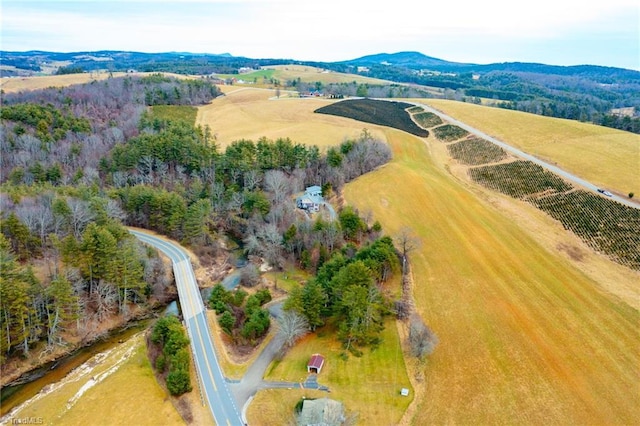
point(32, 382)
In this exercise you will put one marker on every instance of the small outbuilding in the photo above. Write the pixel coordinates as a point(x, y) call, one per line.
point(315, 364)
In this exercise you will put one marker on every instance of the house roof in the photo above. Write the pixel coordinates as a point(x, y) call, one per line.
point(321, 411)
point(316, 361)
point(314, 188)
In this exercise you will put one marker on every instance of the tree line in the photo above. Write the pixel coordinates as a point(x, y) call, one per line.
point(70, 264)
point(67, 265)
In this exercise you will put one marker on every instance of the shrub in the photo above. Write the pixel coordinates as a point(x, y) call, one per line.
point(161, 363)
point(178, 382)
point(449, 132)
point(227, 321)
point(422, 341)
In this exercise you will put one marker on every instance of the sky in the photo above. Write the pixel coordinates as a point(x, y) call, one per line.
point(556, 32)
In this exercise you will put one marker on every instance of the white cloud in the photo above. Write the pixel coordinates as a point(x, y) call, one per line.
point(311, 30)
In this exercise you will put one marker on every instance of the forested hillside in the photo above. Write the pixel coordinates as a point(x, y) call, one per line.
point(80, 162)
point(69, 266)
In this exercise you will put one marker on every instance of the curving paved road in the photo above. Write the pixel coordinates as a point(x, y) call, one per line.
point(517, 152)
point(214, 387)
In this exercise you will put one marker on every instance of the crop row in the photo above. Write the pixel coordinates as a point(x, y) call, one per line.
point(426, 119)
point(384, 113)
point(449, 132)
point(518, 179)
point(476, 151)
point(605, 225)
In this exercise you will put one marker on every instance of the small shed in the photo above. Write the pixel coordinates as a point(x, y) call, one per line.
point(315, 363)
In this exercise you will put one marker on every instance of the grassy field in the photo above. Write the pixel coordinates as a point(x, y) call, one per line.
point(606, 157)
point(246, 113)
point(128, 395)
point(525, 336)
point(16, 84)
point(263, 78)
point(310, 74)
point(529, 331)
point(252, 77)
point(369, 385)
point(184, 113)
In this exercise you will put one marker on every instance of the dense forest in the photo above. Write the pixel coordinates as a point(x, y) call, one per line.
point(81, 163)
point(68, 263)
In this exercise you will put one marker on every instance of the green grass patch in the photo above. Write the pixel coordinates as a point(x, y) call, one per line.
point(254, 77)
point(289, 279)
point(369, 385)
point(184, 113)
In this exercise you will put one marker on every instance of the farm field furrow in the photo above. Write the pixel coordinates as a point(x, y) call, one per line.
point(525, 337)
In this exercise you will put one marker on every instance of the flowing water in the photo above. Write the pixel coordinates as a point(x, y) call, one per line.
point(34, 381)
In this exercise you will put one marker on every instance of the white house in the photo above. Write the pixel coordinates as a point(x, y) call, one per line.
point(311, 199)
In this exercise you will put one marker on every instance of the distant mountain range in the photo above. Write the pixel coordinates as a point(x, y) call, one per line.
point(582, 92)
point(417, 60)
point(32, 61)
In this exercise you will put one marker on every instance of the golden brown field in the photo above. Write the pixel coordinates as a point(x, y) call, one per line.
point(248, 113)
point(16, 84)
point(607, 157)
point(526, 335)
point(126, 393)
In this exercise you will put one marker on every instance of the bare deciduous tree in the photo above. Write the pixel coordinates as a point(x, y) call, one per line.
point(407, 241)
point(252, 179)
point(81, 215)
point(422, 340)
point(277, 183)
point(291, 326)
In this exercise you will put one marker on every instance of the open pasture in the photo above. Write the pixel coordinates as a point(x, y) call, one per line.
point(525, 336)
point(368, 385)
point(249, 113)
point(309, 74)
point(606, 157)
point(117, 387)
point(17, 84)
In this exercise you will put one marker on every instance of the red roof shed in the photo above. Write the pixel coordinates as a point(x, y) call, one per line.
point(315, 363)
